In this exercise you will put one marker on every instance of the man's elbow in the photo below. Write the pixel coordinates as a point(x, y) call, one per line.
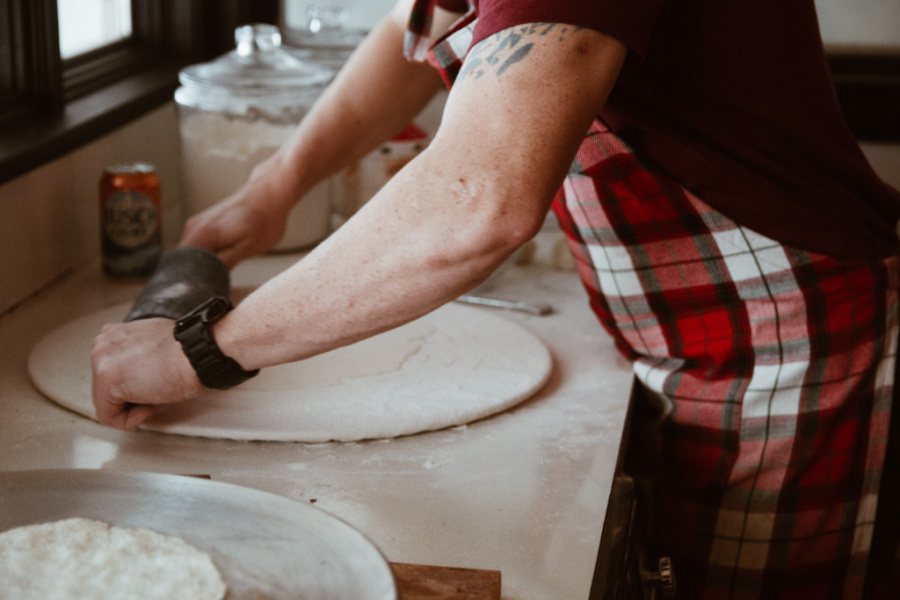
point(507, 230)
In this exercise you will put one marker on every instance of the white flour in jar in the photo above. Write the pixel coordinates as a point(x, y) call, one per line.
point(219, 154)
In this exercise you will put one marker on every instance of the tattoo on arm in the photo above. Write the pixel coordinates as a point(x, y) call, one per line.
point(496, 54)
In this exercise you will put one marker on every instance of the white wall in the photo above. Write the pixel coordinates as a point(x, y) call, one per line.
point(49, 218)
point(870, 24)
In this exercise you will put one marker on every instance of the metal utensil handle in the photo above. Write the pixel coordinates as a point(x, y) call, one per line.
point(528, 307)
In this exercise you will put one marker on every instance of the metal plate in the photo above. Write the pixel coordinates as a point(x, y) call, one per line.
point(265, 545)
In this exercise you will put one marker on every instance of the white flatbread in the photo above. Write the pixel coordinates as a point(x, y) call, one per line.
point(84, 559)
point(451, 367)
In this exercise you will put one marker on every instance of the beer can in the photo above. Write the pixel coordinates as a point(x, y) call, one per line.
point(130, 218)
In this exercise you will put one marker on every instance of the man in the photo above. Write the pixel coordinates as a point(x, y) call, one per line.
point(712, 132)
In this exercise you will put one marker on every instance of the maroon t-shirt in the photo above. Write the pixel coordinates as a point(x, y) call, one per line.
point(735, 101)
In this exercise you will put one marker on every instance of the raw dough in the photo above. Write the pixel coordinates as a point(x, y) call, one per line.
point(361, 360)
point(453, 366)
point(83, 559)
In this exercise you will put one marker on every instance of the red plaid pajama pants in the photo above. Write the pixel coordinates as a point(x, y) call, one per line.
point(776, 366)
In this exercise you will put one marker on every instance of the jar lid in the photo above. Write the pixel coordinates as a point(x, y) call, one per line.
point(258, 64)
point(325, 38)
point(326, 27)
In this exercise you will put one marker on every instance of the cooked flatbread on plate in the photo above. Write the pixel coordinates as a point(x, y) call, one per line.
point(84, 559)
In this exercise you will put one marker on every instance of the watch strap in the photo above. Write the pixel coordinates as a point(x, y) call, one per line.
point(213, 368)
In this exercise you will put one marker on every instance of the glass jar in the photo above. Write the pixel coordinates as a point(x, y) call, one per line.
point(235, 111)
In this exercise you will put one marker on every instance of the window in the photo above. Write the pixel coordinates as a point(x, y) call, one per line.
point(65, 80)
point(86, 25)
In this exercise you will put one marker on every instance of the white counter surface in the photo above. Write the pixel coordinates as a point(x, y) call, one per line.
point(523, 492)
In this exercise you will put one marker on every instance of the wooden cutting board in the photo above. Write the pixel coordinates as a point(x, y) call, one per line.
point(426, 582)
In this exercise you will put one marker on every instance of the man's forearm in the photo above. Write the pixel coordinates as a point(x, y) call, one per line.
point(451, 215)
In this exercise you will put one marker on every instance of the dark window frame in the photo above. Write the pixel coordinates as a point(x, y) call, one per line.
point(49, 107)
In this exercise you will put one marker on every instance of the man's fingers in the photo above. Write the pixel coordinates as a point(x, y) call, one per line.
point(135, 415)
point(230, 256)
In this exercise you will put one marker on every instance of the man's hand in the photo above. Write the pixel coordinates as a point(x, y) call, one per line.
point(250, 221)
point(137, 366)
point(235, 229)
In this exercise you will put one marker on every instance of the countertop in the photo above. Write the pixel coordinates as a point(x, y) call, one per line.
point(523, 492)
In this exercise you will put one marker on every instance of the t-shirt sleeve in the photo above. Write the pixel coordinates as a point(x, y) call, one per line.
point(629, 21)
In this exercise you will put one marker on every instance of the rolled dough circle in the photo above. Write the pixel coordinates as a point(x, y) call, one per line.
point(453, 366)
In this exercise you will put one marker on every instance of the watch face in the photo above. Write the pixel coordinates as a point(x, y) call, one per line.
point(208, 312)
point(214, 308)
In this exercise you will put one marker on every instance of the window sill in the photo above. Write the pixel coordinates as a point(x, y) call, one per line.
point(43, 137)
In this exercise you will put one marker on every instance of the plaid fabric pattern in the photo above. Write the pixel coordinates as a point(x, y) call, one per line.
point(448, 53)
point(416, 42)
point(777, 366)
point(445, 54)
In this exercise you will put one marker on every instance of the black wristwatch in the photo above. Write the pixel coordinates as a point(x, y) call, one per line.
point(214, 369)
